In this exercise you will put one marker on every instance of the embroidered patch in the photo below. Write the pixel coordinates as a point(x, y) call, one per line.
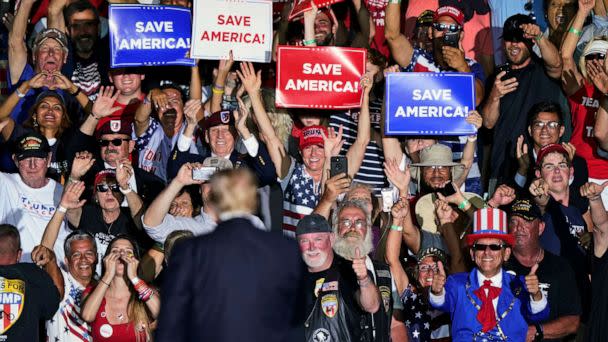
point(383, 273)
point(318, 285)
point(12, 297)
point(385, 293)
point(331, 286)
point(225, 116)
point(329, 304)
point(320, 335)
point(115, 125)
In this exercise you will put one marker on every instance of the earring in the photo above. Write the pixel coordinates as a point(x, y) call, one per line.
point(35, 122)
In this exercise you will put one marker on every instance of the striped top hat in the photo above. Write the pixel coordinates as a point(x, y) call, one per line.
point(490, 223)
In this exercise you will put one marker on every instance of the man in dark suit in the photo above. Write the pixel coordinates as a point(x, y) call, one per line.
point(238, 283)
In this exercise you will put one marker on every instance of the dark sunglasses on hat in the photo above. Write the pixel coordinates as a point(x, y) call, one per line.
point(478, 247)
point(105, 187)
point(593, 56)
point(447, 27)
point(115, 142)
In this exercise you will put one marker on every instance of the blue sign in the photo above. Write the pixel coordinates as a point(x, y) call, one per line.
point(426, 103)
point(149, 35)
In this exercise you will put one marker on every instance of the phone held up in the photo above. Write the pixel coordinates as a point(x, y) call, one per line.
point(338, 165)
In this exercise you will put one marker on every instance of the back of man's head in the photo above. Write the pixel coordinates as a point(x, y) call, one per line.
point(233, 191)
point(10, 245)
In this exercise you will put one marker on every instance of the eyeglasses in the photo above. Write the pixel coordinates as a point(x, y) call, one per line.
point(359, 223)
point(478, 247)
point(105, 187)
point(551, 167)
point(447, 27)
point(427, 268)
point(593, 56)
point(551, 125)
point(115, 142)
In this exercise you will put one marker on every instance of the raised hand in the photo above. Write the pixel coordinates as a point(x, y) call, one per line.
point(401, 179)
point(598, 75)
point(532, 284)
point(391, 69)
point(438, 280)
point(226, 64)
point(523, 158)
point(191, 109)
point(38, 81)
point(571, 149)
point(41, 256)
point(70, 199)
point(332, 142)
point(240, 116)
point(131, 262)
point(184, 175)
point(62, 82)
point(540, 190)
point(586, 6)
point(109, 263)
point(531, 31)
point(454, 57)
point(251, 80)
point(444, 212)
point(503, 87)
point(475, 119)
point(502, 196)
point(367, 82)
point(124, 171)
point(359, 265)
point(400, 210)
point(83, 161)
point(593, 191)
point(159, 99)
point(103, 104)
point(335, 186)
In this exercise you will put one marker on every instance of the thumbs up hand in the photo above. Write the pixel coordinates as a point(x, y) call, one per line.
point(359, 267)
point(593, 191)
point(532, 284)
point(438, 280)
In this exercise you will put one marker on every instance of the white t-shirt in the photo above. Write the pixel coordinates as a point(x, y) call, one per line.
point(30, 210)
point(66, 325)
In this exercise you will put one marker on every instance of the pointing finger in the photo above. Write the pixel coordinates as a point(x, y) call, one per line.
point(533, 269)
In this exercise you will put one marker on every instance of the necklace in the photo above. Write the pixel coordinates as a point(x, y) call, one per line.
point(120, 316)
point(108, 226)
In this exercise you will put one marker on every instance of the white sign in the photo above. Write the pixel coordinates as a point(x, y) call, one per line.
point(245, 27)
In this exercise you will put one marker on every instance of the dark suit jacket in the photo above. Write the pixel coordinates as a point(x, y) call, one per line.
point(261, 165)
point(237, 283)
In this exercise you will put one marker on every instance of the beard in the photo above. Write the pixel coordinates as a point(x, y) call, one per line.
point(438, 53)
point(326, 41)
point(84, 44)
point(315, 263)
point(346, 248)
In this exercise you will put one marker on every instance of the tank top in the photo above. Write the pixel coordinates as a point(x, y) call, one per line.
point(102, 330)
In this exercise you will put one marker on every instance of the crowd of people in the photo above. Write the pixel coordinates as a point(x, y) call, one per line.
point(176, 203)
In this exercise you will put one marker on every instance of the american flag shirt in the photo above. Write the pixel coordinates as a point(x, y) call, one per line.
point(300, 196)
point(66, 325)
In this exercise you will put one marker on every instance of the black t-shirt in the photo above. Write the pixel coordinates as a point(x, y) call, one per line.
point(597, 329)
point(557, 281)
point(27, 295)
point(348, 283)
point(534, 86)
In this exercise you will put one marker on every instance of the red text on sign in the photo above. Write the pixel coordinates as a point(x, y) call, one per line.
point(234, 20)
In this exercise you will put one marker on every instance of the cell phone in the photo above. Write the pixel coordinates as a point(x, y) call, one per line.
point(451, 39)
point(447, 190)
point(204, 173)
point(338, 165)
point(507, 69)
point(5, 7)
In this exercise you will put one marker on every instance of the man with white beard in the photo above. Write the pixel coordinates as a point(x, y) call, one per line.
point(343, 290)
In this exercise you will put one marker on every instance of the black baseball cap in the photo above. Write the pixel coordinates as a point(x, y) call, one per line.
point(313, 223)
point(511, 30)
point(526, 209)
point(32, 145)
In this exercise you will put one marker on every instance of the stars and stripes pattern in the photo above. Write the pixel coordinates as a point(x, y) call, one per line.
point(300, 197)
point(490, 220)
point(67, 325)
point(87, 78)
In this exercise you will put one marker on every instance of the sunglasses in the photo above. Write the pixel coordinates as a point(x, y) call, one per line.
point(106, 187)
point(447, 27)
point(427, 268)
point(593, 56)
point(115, 142)
point(478, 247)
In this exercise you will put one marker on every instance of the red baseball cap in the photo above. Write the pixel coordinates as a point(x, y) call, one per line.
point(312, 135)
point(451, 12)
point(551, 148)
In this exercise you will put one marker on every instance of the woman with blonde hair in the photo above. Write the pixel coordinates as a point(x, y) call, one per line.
point(121, 307)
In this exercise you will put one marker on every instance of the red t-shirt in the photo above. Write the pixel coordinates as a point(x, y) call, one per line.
point(377, 10)
point(584, 105)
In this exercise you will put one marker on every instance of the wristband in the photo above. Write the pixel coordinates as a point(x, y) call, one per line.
point(575, 31)
point(397, 228)
point(472, 138)
point(124, 192)
point(463, 204)
point(308, 42)
point(20, 94)
point(394, 2)
point(76, 92)
point(62, 209)
point(135, 280)
point(217, 91)
point(94, 116)
point(101, 280)
point(218, 87)
point(539, 37)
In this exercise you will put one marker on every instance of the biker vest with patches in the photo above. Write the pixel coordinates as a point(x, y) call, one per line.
point(381, 320)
